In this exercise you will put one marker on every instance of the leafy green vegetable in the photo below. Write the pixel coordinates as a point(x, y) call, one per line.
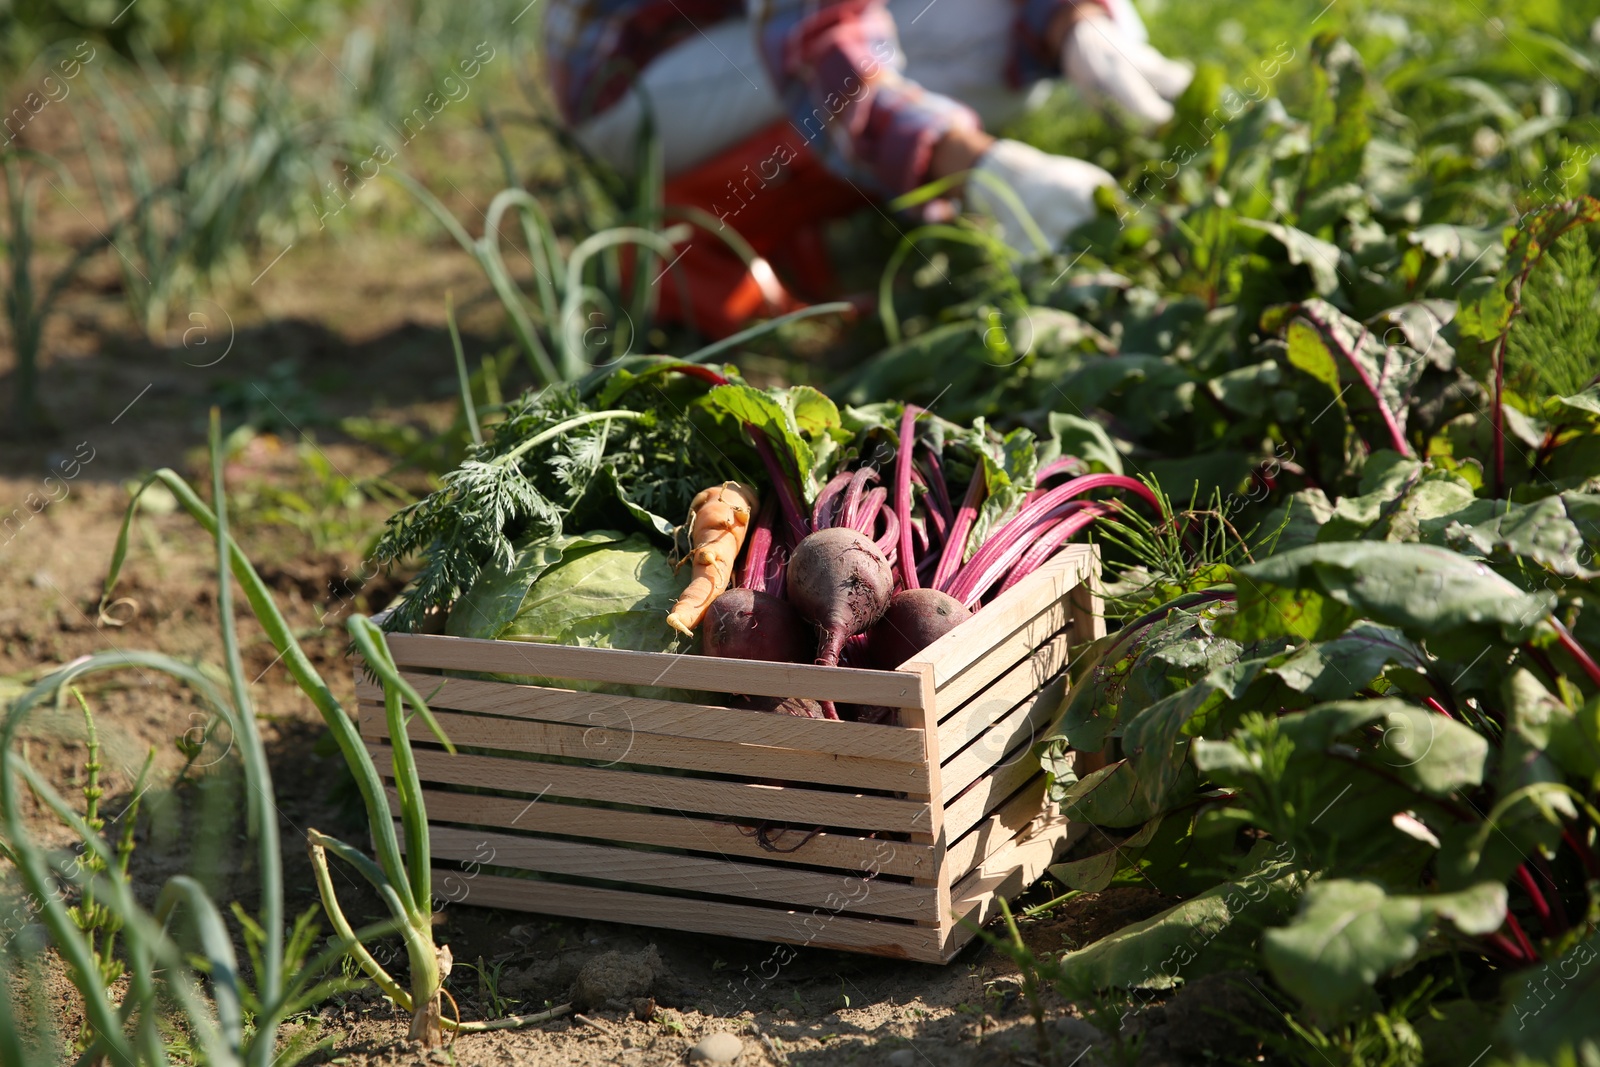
point(555, 466)
point(601, 590)
point(1191, 938)
point(496, 597)
point(1349, 933)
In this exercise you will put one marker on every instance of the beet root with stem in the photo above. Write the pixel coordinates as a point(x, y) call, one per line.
point(915, 619)
point(799, 707)
point(745, 624)
point(839, 582)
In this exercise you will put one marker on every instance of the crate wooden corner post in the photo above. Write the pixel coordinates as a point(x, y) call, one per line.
point(658, 803)
point(926, 720)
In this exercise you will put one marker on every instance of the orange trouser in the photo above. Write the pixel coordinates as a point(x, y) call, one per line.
point(777, 195)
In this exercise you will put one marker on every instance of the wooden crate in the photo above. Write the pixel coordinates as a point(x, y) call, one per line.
point(869, 838)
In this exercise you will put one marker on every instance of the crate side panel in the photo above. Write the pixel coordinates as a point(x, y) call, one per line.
point(707, 722)
point(692, 874)
point(987, 794)
point(1007, 821)
point(1013, 737)
point(814, 928)
point(1003, 655)
point(850, 855)
point(615, 746)
point(744, 800)
point(1012, 868)
point(895, 689)
point(1016, 686)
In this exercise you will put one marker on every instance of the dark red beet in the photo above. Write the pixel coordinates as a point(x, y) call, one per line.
point(869, 713)
point(916, 618)
point(839, 581)
point(799, 707)
point(745, 624)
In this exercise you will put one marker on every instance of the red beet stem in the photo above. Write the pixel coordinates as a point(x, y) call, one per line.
point(754, 575)
point(1521, 936)
point(1541, 906)
point(705, 374)
point(822, 511)
point(1570, 645)
point(941, 492)
point(1027, 519)
point(937, 522)
point(955, 547)
point(850, 505)
point(919, 532)
point(855, 651)
point(893, 541)
point(902, 495)
point(793, 511)
point(1054, 469)
point(998, 555)
point(1052, 539)
point(1436, 706)
point(866, 518)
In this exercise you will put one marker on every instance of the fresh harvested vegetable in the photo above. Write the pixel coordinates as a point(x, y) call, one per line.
point(799, 707)
point(915, 619)
point(609, 596)
point(556, 466)
point(605, 590)
point(747, 624)
point(841, 583)
point(718, 519)
point(567, 496)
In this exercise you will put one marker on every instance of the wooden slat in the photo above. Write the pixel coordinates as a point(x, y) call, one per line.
point(1027, 677)
point(817, 928)
point(698, 874)
point(959, 649)
point(849, 854)
point(894, 689)
point(747, 800)
point(1088, 607)
point(608, 711)
point(1013, 736)
point(1013, 868)
point(1003, 655)
point(987, 794)
point(658, 750)
point(980, 842)
point(926, 720)
point(981, 682)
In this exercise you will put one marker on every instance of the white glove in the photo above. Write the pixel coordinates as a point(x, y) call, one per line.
point(1106, 61)
point(1056, 190)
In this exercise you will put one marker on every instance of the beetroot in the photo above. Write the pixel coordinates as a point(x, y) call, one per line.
point(874, 714)
point(839, 581)
point(799, 707)
point(745, 624)
point(916, 618)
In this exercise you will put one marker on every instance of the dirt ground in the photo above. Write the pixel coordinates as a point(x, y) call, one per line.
point(335, 336)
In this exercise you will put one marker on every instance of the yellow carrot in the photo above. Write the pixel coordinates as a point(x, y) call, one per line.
point(718, 520)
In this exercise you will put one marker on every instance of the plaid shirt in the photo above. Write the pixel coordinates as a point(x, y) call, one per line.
point(832, 61)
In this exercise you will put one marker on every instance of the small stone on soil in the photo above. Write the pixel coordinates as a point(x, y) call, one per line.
point(903, 1057)
point(717, 1048)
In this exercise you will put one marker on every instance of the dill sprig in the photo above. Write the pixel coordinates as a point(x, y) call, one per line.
point(522, 482)
point(552, 466)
